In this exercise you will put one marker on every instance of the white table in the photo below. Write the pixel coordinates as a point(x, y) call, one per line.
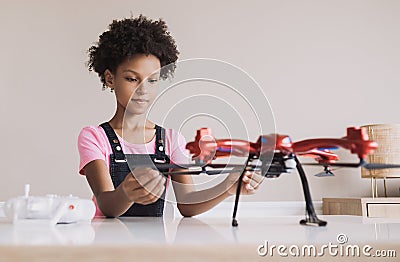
point(179, 239)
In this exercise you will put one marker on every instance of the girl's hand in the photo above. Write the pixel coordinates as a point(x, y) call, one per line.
point(143, 185)
point(250, 182)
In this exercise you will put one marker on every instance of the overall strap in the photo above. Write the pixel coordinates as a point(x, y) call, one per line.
point(117, 148)
point(160, 145)
point(114, 142)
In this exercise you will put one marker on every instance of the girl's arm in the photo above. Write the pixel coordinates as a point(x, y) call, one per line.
point(114, 202)
point(192, 202)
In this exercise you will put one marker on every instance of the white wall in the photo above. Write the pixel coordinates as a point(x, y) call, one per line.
point(324, 65)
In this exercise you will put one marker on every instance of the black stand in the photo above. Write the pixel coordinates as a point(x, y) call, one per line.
point(311, 217)
point(238, 189)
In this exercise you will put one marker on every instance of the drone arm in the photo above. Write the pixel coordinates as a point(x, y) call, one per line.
point(356, 141)
point(322, 156)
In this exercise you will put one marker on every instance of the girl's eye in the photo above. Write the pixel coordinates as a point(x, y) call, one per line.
point(153, 81)
point(130, 79)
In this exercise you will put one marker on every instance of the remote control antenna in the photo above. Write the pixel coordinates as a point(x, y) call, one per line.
point(27, 189)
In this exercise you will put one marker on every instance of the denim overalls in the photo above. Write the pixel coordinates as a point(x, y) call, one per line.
point(119, 168)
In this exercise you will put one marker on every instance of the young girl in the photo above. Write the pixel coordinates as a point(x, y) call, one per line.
point(129, 59)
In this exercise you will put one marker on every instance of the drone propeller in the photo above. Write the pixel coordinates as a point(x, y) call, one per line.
point(326, 173)
point(334, 164)
point(197, 172)
point(209, 169)
point(371, 166)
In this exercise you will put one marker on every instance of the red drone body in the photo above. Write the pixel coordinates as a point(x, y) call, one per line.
point(205, 148)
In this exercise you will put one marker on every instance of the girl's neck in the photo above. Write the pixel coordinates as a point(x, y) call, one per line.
point(129, 121)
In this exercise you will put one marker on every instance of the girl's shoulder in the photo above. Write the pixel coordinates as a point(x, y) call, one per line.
point(92, 130)
point(171, 132)
point(174, 140)
point(96, 135)
point(92, 134)
point(173, 135)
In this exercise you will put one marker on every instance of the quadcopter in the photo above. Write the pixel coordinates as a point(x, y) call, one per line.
point(273, 155)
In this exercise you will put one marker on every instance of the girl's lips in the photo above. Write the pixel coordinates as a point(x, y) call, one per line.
point(140, 101)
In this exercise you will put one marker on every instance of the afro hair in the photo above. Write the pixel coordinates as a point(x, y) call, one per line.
point(128, 37)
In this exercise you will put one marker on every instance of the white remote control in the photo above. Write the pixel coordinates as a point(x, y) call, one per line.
point(50, 209)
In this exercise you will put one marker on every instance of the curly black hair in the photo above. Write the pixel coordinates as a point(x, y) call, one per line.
point(131, 36)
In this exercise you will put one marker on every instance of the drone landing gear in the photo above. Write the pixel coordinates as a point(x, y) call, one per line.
point(238, 189)
point(239, 186)
point(313, 222)
point(311, 216)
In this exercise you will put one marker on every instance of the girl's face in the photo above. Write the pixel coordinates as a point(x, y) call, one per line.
point(135, 83)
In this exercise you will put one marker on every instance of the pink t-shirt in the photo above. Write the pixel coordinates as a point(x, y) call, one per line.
point(93, 144)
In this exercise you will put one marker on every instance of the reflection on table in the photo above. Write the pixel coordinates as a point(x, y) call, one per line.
point(197, 231)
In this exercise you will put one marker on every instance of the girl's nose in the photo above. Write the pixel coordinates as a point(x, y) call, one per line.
point(143, 88)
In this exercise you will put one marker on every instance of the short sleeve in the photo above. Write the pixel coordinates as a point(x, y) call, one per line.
point(179, 154)
point(90, 147)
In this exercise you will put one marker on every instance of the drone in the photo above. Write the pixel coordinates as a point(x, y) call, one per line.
point(273, 155)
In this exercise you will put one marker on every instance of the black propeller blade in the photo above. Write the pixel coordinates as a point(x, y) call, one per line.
point(335, 164)
point(371, 166)
point(197, 172)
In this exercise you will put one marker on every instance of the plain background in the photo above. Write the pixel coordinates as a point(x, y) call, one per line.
point(324, 65)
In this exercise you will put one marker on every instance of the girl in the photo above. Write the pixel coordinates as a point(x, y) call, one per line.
point(129, 59)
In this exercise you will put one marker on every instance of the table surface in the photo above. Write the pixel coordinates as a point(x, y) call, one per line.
point(198, 231)
point(204, 238)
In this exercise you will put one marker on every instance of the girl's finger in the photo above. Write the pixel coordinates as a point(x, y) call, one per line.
point(254, 184)
point(257, 177)
point(248, 174)
point(246, 179)
point(150, 197)
point(249, 188)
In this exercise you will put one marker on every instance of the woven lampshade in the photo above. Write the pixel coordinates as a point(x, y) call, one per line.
point(388, 152)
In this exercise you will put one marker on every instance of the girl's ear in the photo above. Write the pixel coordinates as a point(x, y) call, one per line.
point(109, 78)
